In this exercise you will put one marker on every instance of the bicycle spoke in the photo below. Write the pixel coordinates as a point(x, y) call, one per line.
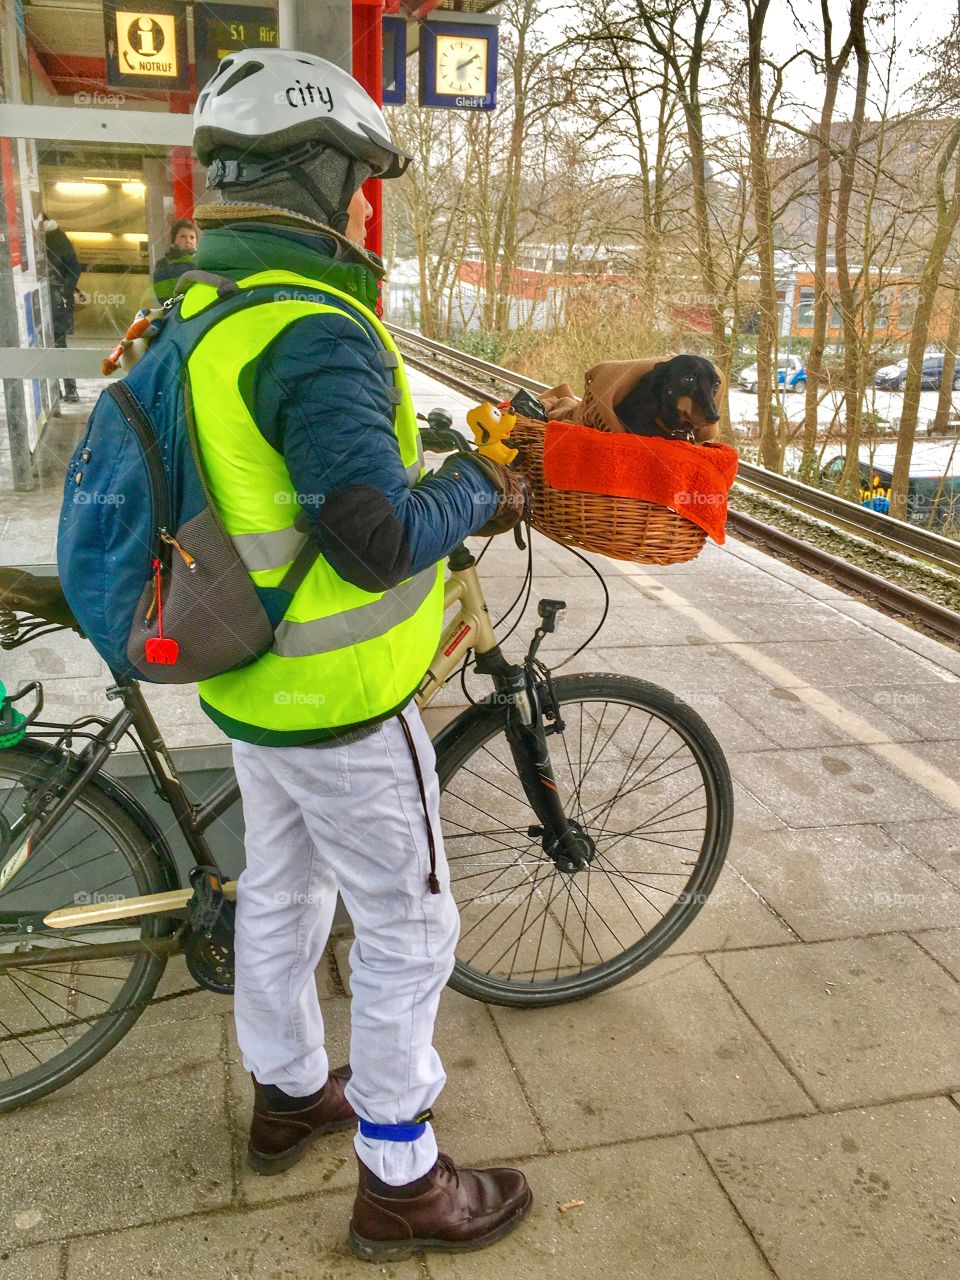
point(630, 777)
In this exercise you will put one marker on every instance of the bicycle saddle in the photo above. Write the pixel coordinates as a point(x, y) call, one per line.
point(22, 592)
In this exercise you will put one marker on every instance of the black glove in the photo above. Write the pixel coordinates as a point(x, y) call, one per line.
point(515, 496)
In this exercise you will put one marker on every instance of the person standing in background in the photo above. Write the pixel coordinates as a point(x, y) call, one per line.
point(65, 271)
point(178, 258)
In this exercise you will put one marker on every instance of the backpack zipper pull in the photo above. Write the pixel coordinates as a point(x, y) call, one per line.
point(185, 555)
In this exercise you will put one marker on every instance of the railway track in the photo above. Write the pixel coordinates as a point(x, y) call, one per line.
point(930, 552)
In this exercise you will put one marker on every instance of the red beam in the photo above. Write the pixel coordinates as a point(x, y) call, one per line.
point(368, 69)
point(181, 174)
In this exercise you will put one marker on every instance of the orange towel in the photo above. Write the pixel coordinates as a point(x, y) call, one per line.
point(691, 479)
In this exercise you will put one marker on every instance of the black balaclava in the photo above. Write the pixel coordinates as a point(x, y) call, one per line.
point(319, 186)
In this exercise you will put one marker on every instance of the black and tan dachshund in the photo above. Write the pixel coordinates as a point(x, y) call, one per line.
point(676, 400)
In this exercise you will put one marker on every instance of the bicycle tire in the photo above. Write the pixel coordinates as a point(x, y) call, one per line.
point(134, 845)
point(459, 742)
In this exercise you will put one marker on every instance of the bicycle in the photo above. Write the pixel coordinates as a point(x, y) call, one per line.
point(585, 819)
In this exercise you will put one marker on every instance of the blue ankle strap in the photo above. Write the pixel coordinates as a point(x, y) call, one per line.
point(397, 1132)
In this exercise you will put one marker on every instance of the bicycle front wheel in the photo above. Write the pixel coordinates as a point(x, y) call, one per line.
point(646, 779)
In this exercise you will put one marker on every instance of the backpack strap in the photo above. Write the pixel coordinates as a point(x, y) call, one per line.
point(303, 562)
point(224, 286)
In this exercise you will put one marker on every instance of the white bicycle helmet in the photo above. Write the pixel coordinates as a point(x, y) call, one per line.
point(273, 102)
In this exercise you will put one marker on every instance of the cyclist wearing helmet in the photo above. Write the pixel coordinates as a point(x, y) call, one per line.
point(307, 434)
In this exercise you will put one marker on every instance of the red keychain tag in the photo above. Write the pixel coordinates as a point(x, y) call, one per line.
point(160, 649)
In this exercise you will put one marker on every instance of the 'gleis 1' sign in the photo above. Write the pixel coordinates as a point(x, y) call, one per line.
point(146, 48)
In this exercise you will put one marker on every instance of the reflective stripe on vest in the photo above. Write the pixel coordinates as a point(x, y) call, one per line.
point(323, 635)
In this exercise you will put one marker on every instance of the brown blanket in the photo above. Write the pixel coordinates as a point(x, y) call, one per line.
point(605, 385)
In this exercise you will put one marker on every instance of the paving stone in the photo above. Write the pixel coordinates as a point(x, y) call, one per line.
point(866, 1195)
point(936, 843)
point(39, 1263)
point(707, 668)
point(830, 882)
point(750, 815)
point(60, 656)
point(734, 916)
point(826, 663)
point(915, 641)
point(669, 1040)
point(732, 730)
point(858, 1021)
point(945, 756)
point(652, 1209)
point(784, 718)
point(635, 623)
point(142, 1136)
point(929, 711)
point(944, 945)
point(290, 1241)
point(824, 786)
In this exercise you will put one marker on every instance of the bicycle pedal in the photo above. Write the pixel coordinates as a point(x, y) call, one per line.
point(208, 940)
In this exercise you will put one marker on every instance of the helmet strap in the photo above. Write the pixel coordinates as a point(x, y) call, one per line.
point(338, 217)
point(244, 173)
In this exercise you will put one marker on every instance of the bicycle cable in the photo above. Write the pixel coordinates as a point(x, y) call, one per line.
point(603, 617)
point(526, 585)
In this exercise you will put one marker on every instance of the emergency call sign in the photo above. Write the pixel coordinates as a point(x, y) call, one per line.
point(146, 48)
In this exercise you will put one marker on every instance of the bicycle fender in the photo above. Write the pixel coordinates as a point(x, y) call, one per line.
point(130, 805)
point(486, 709)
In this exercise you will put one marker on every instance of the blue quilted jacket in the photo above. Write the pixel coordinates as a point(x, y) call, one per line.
point(320, 395)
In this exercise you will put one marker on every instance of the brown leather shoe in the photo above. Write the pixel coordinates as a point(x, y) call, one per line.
point(279, 1138)
point(449, 1209)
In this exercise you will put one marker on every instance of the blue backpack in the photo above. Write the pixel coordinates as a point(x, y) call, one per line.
point(146, 565)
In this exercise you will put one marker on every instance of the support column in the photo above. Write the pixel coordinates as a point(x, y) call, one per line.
point(181, 171)
point(22, 463)
point(368, 69)
point(323, 27)
point(155, 182)
point(14, 389)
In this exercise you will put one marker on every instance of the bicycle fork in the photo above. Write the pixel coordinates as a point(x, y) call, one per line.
point(564, 840)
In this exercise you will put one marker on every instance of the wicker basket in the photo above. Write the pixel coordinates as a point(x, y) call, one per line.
point(624, 528)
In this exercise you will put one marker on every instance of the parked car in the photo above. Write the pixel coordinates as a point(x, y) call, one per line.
point(932, 471)
point(886, 377)
point(791, 375)
point(893, 377)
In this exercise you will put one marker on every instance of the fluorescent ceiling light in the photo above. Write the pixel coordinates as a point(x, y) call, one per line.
point(82, 188)
point(133, 189)
point(134, 237)
point(91, 237)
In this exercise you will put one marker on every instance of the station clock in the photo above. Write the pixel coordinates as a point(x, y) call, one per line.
point(458, 65)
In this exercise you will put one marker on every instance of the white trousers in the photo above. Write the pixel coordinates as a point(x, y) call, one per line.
point(348, 817)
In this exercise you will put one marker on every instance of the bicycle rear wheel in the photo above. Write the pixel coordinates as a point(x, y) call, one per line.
point(646, 778)
point(60, 1016)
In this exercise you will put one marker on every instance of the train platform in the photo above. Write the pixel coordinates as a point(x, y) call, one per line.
point(778, 1096)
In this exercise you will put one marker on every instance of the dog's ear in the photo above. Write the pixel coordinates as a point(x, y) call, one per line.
point(642, 406)
point(661, 379)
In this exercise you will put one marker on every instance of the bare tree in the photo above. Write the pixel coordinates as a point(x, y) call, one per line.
point(833, 68)
point(948, 216)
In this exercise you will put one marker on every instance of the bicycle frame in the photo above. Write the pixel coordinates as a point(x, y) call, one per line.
point(469, 628)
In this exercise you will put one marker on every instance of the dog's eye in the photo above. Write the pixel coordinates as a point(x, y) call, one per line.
point(689, 380)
